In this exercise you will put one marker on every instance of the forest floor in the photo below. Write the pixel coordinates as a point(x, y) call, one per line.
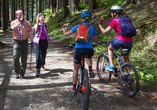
point(51, 90)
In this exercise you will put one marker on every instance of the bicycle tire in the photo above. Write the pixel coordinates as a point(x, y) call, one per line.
point(103, 75)
point(85, 96)
point(128, 80)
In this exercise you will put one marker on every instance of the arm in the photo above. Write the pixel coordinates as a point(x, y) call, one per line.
point(95, 40)
point(37, 25)
point(105, 31)
point(67, 33)
point(30, 36)
point(13, 27)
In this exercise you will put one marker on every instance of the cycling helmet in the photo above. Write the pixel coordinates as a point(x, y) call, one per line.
point(86, 13)
point(117, 9)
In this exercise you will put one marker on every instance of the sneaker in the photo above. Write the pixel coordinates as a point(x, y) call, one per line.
point(17, 76)
point(110, 68)
point(73, 93)
point(38, 72)
point(22, 77)
point(92, 75)
point(43, 67)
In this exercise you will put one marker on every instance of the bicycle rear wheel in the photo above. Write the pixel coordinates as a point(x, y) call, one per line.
point(102, 63)
point(85, 90)
point(130, 80)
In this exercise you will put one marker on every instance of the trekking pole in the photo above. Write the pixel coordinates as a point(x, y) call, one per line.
point(30, 59)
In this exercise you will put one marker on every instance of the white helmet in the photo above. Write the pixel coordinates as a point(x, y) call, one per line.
point(117, 9)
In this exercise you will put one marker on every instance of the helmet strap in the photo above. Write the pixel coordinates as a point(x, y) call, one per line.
point(86, 19)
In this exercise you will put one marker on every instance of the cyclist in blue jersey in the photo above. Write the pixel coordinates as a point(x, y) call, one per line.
point(83, 49)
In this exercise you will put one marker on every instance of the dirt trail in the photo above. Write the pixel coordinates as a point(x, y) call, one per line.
point(51, 91)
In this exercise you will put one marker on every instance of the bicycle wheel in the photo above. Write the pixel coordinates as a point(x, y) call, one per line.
point(85, 90)
point(102, 63)
point(130, 80)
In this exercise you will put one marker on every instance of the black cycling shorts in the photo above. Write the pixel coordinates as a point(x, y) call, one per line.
point(79, 52)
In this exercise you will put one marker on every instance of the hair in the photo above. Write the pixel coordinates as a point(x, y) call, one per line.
point(16, 12)
point(41, 14)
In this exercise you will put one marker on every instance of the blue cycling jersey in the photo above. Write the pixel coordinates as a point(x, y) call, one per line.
point(92, 31)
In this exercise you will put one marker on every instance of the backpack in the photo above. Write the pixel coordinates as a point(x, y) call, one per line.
point(82, 35)
point(39, 29)
point(127, 28)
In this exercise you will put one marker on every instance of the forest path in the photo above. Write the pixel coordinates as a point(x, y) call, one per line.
point(51, 91)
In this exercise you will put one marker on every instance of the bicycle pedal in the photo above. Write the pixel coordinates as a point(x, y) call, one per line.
point(73, 93)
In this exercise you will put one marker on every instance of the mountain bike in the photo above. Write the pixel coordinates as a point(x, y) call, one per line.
point(129, 79)
point(83, 85)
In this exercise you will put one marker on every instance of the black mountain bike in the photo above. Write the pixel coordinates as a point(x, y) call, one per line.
point(126, 72)
point(83, 83)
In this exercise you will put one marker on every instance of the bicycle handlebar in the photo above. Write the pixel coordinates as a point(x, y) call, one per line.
point(72, 45)
point(107, 42)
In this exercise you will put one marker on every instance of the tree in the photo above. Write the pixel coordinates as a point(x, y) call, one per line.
point(0, 13)
point(13, 10)
point(127, 2)
point(57, 5)
point(40, 5)
point(92, 5)
point(22, 5)
point(27, 2)
point(65, 9)
point(74, 6)
point(32, 9)
point(4, 26)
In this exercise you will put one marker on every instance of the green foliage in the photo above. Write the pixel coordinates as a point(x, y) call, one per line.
point(84, 6)
point(110, 2)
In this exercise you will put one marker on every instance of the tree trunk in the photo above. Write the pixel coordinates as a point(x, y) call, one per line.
point(49, 4)
point(43, 5)
point(74, 6)
point(52, 7)
point(92, 5)
point(4, 15)
point(32, 9)
point(57, 5)
point(40, 5)
point(65, 9)
point(27, 17)
point(19, 5)
point(126, 3)
point(13, 10)
point(0, 13)
point(37, 4)
point(22, 5)
point(7, 12)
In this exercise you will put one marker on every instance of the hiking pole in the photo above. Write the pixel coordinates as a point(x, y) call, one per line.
point(30, 59)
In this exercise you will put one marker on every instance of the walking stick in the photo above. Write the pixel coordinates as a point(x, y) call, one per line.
point(30, 59)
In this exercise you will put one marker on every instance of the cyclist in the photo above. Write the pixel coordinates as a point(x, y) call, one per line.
point(120, 40)
point(83, 49)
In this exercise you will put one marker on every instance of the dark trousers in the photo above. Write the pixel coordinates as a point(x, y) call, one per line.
point(40, 50)
point(20, 48)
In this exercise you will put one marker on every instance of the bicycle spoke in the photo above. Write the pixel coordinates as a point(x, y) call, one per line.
point(103, 74)
point(130, 82)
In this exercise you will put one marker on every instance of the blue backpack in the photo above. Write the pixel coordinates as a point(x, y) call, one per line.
point(127, 28)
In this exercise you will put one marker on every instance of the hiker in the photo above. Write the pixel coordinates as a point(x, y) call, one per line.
point(22, 30)
point(41, 41)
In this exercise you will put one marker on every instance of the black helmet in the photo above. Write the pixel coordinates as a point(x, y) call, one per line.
point(117, 9)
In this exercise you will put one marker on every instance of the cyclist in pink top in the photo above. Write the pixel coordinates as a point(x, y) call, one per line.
point(120, 40)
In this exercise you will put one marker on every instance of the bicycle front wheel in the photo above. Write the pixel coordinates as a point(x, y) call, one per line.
point(85, 90)
point(102, 63)
point(130, 80)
